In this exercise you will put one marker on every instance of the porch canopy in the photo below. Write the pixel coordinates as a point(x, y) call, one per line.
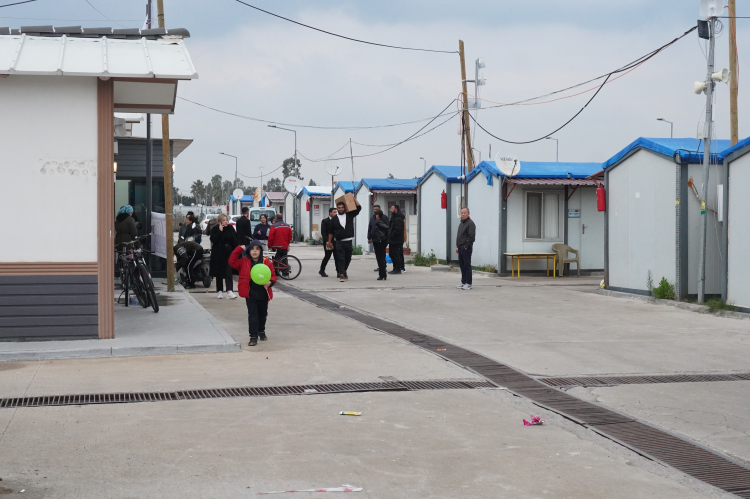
point(144, 64)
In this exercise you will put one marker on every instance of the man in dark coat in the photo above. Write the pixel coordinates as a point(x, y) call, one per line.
point(325, 231)
point(244, 232)
point(223, 242)
point(396, 239)
point(343, 232)
point(373, 222)
point(465, 237)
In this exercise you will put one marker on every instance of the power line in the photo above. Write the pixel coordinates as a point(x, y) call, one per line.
point(456, 113)
point(102, 14)
point(74, 20)
point(250, 118)
point(264, 175)
point(346, 37)
point(17, 3)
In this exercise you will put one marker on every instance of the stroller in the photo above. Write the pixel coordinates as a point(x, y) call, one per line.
point(201, 271)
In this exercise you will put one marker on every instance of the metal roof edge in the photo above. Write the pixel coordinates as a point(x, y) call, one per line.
point(739, 149)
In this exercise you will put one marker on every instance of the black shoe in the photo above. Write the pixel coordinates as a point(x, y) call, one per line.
point(190, 286)
point(263, 336)
point(322, 274)
point(253, 342)
point(377, 270)
point(381, 278)
point(395, 272)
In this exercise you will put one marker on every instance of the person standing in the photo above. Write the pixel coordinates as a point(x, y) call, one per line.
point(379, 237)
point(343, 232)
point(281, 237)
point(262, 231)
point(465, 238)
point(396, 239)
point(125, 227)
point(244, 231)
point(223, 242)
point(325, 231)
point(256, 296)
point(384, 218)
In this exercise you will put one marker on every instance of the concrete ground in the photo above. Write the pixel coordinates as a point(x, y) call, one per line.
point(447, 443)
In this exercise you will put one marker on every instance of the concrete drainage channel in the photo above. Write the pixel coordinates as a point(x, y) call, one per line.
point(605, 381)
point(642, 438)
point(254, 391)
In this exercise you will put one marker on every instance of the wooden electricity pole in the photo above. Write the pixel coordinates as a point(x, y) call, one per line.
point(465, 114)
point(733, 83)
point(167, 160)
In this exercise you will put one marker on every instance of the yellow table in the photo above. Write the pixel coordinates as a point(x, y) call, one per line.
point(517, 257)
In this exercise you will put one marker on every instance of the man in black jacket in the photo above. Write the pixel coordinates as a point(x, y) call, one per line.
point(371, 226)
point(325, 231)
point(396, 239)
point(343, 232)
point(467, 233)
point(244, 232)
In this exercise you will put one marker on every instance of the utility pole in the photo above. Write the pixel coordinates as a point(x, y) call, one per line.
point(465, 114)
point(706, 160)
point(149, 152)
point(167, 160)
point(733, 83)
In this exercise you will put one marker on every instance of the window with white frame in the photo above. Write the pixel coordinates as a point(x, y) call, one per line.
point(543, 215)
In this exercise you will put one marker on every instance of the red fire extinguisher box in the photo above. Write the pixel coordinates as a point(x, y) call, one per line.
point(601, 199)
point(443, 200)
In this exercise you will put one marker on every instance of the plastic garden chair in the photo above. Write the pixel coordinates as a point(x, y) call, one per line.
point(562, 251)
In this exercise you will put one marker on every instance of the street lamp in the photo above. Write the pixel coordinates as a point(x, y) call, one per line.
point(425, 165)
point(557, 148)
point(235, 174)
point(671, 126)
point(261, 186)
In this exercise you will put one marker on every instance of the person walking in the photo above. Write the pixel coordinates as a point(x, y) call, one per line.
point(189, 254)
point(262, 232)
point(244, 231)
point(343, 232)
point(325, 231)
point(223, 242)
point(281, 237)
point(465, 238)
point(256, 296)
point(379, 237)
point(126, 229)
point(370, 226)
point(396, 239)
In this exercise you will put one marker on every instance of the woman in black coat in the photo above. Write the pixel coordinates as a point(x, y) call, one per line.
point(223, 242)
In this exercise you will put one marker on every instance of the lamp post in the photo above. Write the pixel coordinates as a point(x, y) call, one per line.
point(671, 126)
point(261, 186)
point(557, 148)
point(235, 174)
point(425, 165)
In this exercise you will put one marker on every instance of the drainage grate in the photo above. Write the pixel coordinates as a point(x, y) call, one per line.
point(653, 443)
point(594, 381)
point(250, 391)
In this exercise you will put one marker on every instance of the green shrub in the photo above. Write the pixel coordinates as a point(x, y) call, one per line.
point(357, 250)
point(716, 304)
point(421, 260)
point(665, 290)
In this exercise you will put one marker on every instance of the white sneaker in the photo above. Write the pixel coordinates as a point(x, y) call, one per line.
point(231, 295)
point(219, 295)
point(467, 286)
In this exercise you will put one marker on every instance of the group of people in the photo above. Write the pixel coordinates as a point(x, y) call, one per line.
point(383, 232)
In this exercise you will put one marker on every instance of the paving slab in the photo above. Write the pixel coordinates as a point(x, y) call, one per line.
point(713, 414)
point(442, 444)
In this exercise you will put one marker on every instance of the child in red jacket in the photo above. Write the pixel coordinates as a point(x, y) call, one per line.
point(256, 296)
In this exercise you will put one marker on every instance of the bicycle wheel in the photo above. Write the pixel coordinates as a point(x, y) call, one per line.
point(136, 286)
point(289, 267)
point(148, 287)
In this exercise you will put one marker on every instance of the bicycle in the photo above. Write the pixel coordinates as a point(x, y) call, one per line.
point(135, 275)
point(287, 267)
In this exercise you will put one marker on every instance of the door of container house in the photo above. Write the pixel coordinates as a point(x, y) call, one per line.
point(592, 232)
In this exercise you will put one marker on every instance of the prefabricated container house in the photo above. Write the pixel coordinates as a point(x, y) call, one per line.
point(439, 194)
point(313, 203)
point(737, 235)
point(654, 212)
point(387, 192)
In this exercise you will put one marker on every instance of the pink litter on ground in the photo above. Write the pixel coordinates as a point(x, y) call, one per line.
point(343, 488)
point(534, 420)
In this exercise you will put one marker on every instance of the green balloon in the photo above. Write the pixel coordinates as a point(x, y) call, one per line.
point(260, 274)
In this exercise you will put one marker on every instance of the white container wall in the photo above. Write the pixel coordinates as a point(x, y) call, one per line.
point(738, 292)
point(362, 221)
point(433, 222)
point(713, 231)
point(484, 206)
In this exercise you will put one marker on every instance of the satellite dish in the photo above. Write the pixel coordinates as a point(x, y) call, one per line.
point(292, 184)
point(333, 169)
point(508, 164)
point(238, 193)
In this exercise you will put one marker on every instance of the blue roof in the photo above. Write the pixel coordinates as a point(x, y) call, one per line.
point(247, 198)
point(390, 184)
point(449, 173)
point(534, 169)
point(739, 145)
point(315, 190)
point(690, 150)
point(347, 185)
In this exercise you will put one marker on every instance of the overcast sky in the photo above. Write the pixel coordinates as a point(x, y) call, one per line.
point(253, 64)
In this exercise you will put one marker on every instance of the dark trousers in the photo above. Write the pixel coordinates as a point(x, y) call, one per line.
point(343, 255)
point(226, 278)
point(280, 253)
point(464, 261)
point(396, 251)
point(380, 257)
point(194, 260)
point(328, 255)
point(257, 312)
